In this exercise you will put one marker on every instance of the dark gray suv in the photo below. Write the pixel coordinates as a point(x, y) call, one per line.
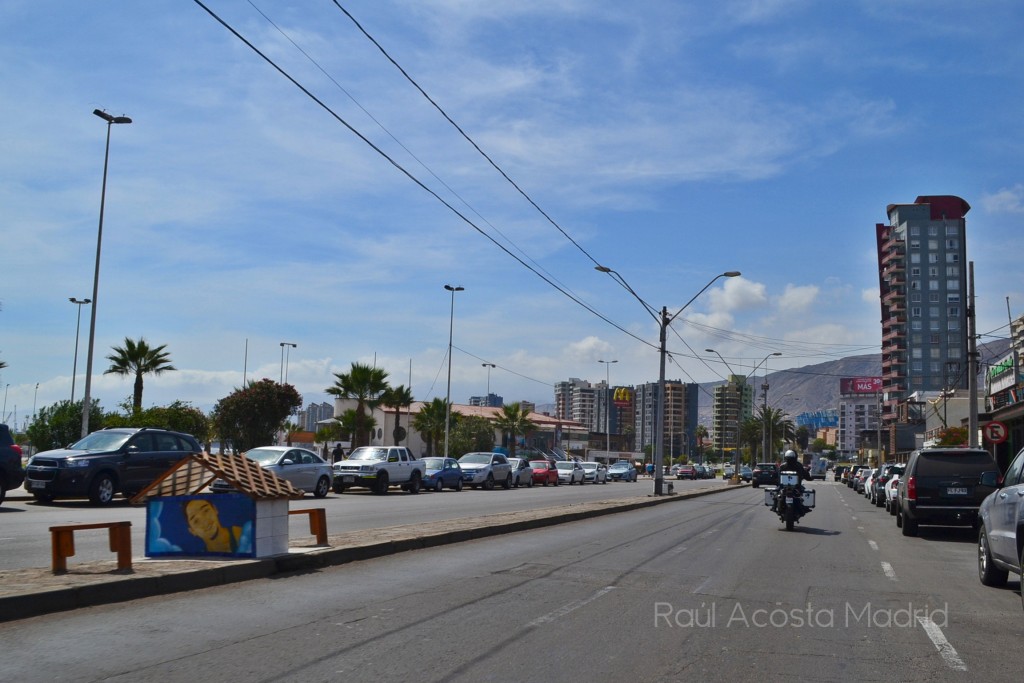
point(11, 472)
point(106, 462)
point(942, 486)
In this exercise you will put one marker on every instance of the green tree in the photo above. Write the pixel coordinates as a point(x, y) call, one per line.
point(397, 398)
point(514, 422)
point(138, 359)
point(953, 436)
point(59, 425)
point(429, 422)
point(251, 416)
point(469, 434)
point(179, 416)
point(802, 437)
point(780, 428)
point(366, 385)
point(751, 436)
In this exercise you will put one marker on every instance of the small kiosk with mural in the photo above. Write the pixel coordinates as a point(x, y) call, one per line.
point(184, 519)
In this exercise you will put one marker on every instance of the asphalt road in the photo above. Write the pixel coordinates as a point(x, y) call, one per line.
point(25, 538)
point(709, 589)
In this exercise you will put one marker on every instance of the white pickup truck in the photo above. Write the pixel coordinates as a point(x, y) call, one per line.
point(378, 468)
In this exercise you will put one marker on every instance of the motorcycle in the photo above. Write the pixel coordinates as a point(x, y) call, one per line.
point(788, 500)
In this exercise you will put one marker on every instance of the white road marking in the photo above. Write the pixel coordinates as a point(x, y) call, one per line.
point(889, 571)
point(946, 651)
point(874, 546)
point(571, 607)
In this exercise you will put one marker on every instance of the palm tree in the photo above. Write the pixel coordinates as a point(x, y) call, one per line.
point(429, 422)
point(700, 433)
point(366, 384)
point(397, 397)
point(138, 359)
point(514, 421)
point(780, 427)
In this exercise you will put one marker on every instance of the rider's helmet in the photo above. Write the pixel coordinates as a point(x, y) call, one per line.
point(790, 455)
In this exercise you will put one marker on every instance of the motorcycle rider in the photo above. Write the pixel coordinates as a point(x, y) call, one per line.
point(792, 464)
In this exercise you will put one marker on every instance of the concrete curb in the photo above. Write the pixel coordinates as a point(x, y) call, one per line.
point(112, 587)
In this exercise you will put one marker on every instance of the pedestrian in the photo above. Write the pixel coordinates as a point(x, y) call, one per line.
point(338, 453)
point(650, 469)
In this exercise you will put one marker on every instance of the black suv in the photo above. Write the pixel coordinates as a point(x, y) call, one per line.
point(942, 486)
point(107, 462)
point(766, 473)
point(11, 473)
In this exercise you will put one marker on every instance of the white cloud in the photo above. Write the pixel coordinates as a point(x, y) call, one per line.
point(738, 294)
point(1007, 200)
point(797, 298)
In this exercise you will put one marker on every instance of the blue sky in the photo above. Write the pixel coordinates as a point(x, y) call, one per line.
point(671, 141)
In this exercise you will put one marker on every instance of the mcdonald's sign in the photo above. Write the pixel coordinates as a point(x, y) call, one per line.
point(622, 397)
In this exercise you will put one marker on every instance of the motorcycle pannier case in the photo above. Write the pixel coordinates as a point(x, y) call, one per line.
point(808, 498)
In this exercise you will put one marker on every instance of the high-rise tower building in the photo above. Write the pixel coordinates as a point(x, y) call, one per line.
point(922, 274)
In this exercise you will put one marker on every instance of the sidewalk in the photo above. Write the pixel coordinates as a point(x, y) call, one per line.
point(31, 592)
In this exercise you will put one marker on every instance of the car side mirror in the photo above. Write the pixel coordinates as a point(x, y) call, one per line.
point(286, 461)
point(991, 479)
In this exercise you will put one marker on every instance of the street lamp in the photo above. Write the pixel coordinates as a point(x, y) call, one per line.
point(448, 392)
point(607, 406)
point(764, 409)
point(78, 326)
point(111, 120)
point(488, 366)
point(664, 320)
point(284, 363)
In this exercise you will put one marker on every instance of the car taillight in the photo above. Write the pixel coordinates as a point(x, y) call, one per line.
point(911, 488)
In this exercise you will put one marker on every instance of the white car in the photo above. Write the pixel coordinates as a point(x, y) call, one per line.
point(486, 469)
point(891, 487)
point(305, 470)
point(522, 472)
point(570, 472)
point(595, 472)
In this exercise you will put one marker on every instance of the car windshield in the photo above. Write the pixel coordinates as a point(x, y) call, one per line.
point(620, 466)
point(433, 463)
point(953, 463)
point(264, 456)
point(539, 464)
point(101, 441)
point(514, 462)
point(564, 465)
point(590, 465)
point(476, 459)
point(369, 454)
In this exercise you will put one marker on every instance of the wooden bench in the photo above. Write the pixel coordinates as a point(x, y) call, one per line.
point(62, 543)
point(317, 522)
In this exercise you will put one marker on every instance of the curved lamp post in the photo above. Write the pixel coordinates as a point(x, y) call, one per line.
point(111, 120)
point(664, 320)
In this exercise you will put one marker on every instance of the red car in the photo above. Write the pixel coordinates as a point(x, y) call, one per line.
point(686, 472)
point(544, 472)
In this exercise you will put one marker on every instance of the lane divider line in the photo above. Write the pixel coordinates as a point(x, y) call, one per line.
point(946, 651)
point(889, 571)
point(567, 609)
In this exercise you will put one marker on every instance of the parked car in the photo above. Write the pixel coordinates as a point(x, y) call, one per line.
point(595, 472)
point(570, 472)
point(442, 473)
point(837, 473)
point(486, 470)
point(378, 468)
point(850, 476)
point(943, 486)
point(864, 485)
point(686, 472)
point(622, 471)
point(766, 473)
point(522, 472)
point(877, 495)
point(891, 488)
point(107, 462)
point(1001, 521)
point(746, 474)
point(305, 470)
point(728, 471)
point(544, 472)
point(11, 471)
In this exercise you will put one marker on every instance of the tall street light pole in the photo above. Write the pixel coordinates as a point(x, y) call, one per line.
point(488, 366)
point(78, 327)
point(607, 405)
point(448, 392)
point(111, 120)
point(764, 407)
point(664, 320)
point(284, 363)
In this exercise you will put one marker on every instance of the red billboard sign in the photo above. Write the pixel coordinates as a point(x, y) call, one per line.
point(860, 385)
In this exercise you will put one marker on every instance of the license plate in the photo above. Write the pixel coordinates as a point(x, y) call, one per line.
point(789, 501)
point(348, 479)
point(36, 484)
point(956, 491)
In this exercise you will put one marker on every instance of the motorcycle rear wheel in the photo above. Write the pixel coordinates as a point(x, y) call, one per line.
point(790, 517)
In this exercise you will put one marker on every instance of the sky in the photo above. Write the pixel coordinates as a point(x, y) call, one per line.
point(326, 201)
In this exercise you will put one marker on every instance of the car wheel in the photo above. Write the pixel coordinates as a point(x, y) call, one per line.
point(508, 482)
point(380, 485)
point(458, 484)
point(545, 482)
point(489, 482)
point(755, 485)
point(338, 487)
point(473, 486)
point(101, 491)
point(414, 483)
point(439, 486)
point(529, 483)
point(909, 527)
point(323, 485)
point(43, 497)
point(988, 572)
